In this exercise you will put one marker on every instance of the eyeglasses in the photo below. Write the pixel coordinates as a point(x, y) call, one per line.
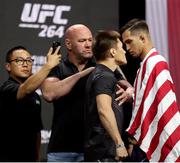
point(20, 61)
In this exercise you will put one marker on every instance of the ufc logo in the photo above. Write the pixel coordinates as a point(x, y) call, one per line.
point(38, 13)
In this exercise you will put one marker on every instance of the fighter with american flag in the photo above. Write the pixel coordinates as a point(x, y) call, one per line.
point(155, 122)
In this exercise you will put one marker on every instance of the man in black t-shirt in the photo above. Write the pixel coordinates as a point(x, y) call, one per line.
point(65, 87)
point(103, 115)
point(20, 106)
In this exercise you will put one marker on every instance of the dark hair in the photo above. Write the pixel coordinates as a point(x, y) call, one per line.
point(10, 52)
point(135, 25)
point(104, 40)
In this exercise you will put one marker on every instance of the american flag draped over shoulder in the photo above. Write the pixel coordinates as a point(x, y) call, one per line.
point(155, 121)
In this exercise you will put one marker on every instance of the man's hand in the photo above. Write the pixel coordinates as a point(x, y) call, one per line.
point(86, 71)
point(124, 95)
point(121, 153)
point(132, 142)
point(53, 59)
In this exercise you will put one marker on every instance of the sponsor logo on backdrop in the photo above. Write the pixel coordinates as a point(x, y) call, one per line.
point(45, 136)
point(49, 18)
point(39, 61)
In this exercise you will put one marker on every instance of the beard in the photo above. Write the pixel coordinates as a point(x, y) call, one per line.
point(82, 58)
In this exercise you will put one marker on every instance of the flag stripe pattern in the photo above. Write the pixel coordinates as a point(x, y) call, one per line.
point(155, 121)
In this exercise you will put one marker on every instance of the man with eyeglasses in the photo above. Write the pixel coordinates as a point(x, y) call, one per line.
point(20, 106)
point(21, 61)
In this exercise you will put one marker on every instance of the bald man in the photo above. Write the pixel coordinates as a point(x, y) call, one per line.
point(65, 88)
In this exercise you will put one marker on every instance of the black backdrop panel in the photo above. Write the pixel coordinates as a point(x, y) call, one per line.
point(35, 24)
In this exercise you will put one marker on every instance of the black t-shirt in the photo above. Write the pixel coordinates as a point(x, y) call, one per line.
point(97, 141)
point(20, 121)
point(67, 128)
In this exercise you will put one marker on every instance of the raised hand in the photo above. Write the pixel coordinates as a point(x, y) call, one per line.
point(86, 71)
point(53, 59)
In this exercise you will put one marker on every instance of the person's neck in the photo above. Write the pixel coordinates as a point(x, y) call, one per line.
point(146, 50)
point(18, 79)
point(80, 64)
point(109, 63)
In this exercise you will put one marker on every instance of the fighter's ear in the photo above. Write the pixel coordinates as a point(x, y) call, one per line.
point(112, 52)
point(8, 67)
point(68, 44)
point(142, 37)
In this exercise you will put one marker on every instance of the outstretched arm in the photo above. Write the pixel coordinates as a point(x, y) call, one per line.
point(35, 80)
point(53, 88)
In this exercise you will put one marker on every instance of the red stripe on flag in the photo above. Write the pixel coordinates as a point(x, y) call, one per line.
point(144, 67)
point(135, 86)
point(150, 83)
point(142, 77)
point(162, 91)
point(178, 160)
point(161, 124)
point(172, 140)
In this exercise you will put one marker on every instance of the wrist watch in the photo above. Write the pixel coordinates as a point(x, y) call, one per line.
point(119, 145)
